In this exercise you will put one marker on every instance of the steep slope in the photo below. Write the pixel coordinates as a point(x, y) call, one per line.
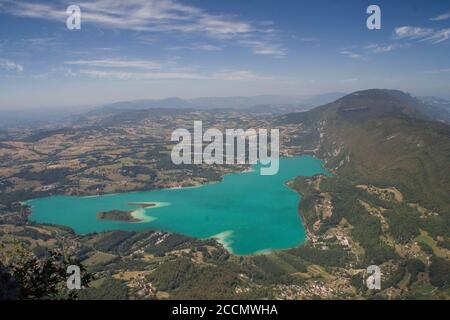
point(388, 203)
point(209, 103)
point(381, 137)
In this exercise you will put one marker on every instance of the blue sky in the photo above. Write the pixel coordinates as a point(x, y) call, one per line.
point(138, 49)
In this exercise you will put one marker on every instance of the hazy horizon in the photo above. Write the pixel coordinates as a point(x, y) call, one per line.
point(149, 49)
point(110, 102)
point(86, 107)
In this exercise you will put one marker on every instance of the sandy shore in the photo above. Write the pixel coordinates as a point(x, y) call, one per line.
point(224, 239)
point(141, 215)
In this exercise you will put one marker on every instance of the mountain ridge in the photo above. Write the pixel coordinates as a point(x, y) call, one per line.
point(233, 102)
point(382, 137)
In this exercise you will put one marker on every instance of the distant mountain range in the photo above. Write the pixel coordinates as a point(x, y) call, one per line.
point(262, 103)
point(272, 104)
point(434, 108)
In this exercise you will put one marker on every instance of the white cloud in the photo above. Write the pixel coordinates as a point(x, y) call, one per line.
point(441, 17)
point(34, 10)
point(238, 75)
point(379, 49)
point(56, 71)
point(123, 75)
point(383, 48)
point(422, 34)
point(367, 52)
point(9, 65)
point(132, 69)
point(265, 48)
point(408, 32)
point(351, 54)
point(152, 16)
point(226, 75)
point(439, 36)
point(200, 46)
point(206, 47)
point(310, 39)
point(117, 63)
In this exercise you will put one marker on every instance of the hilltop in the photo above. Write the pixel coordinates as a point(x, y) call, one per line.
point(383, 136)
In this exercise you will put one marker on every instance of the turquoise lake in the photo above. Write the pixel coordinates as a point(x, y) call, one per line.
point(247, 212)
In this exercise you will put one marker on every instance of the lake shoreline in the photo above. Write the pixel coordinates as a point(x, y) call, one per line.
point(241, 202)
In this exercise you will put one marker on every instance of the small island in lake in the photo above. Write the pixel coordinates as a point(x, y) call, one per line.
point(117, 215)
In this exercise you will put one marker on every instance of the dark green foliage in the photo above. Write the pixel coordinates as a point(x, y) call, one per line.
point(186, 280)
point(116, 215)
point(440, 272)
point(414, 266)
point(173, 274)
point(9, 288)
point(380, 253)
point(367, 231)
point(426, 248)
point(46, 176)
point(444, 244)
point(333, 257)
point(394, 279)
point(297, 263)
point(270, 270)
point(358, 282)
point(125, 247)
point(133, 171)
point(9, 199)
point(403, 224)
point(171, 242)
point(436, 226)
point(29, 232)
point(110, 289)
point(45, 278)
point(111, 240)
